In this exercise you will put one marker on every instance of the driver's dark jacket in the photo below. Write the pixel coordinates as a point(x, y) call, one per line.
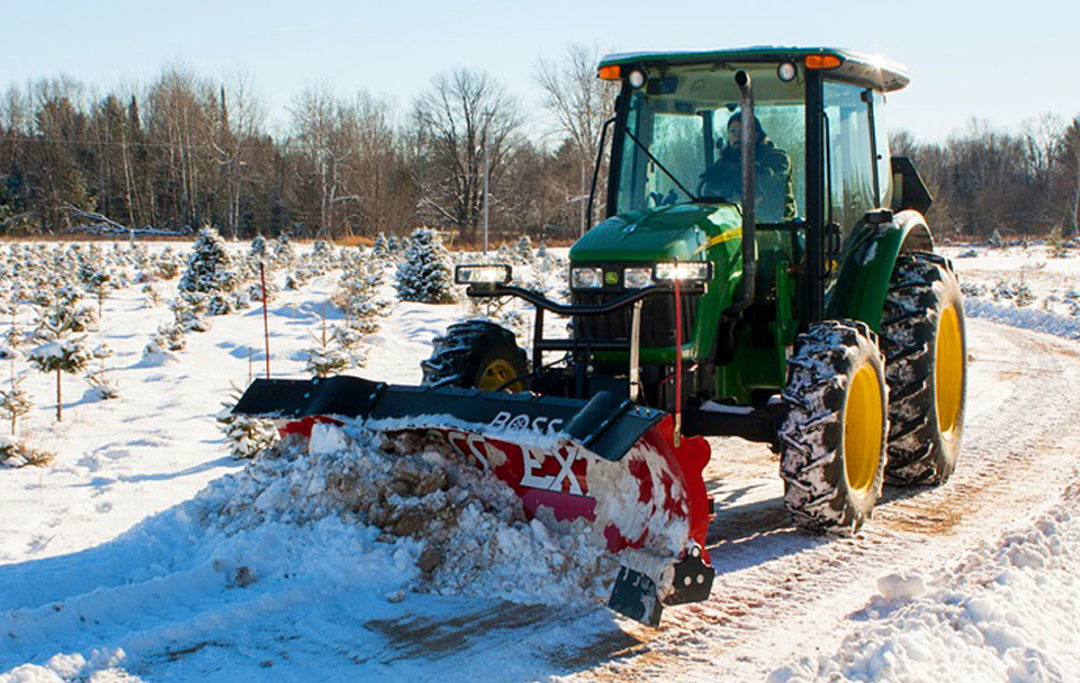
point(775, 195)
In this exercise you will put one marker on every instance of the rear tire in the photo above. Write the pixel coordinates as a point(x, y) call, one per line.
point(832, 439)
point(476, 354)
point(922, 335)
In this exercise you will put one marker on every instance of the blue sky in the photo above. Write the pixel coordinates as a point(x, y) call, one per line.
point(1002, 62)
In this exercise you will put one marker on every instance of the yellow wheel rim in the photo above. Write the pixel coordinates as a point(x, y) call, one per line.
point(948, 370)
point(862, 429)
point(497, 373)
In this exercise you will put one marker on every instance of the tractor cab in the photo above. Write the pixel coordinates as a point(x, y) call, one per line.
point(676, 110)
point(819, 145)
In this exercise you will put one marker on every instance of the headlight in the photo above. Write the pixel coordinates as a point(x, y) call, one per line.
point(637, 278)
point(482, 275)
point(684, 271)
point(586, 278)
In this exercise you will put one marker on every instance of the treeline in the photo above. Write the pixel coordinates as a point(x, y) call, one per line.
point(187, 151)
point(985, 179)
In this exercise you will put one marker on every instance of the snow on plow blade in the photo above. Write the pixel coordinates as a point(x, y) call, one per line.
point(606, 461)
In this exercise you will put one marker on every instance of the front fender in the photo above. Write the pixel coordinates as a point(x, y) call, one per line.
point(866, 265)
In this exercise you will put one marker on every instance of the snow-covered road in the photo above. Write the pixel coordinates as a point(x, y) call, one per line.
point(176, 604)
point(111, 570)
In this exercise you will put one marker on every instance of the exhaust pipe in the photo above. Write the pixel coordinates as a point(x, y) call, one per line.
point(749, 135)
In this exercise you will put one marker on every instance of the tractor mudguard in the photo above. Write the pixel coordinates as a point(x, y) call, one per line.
point(866, 265)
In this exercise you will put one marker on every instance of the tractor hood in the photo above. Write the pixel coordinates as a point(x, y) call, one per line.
point(673, 232)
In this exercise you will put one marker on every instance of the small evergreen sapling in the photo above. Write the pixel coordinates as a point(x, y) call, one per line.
point(98, 283)
point(381, 250)
point(423, 274)
point(258, 248)
point(248, 436)
point(523, 251)
point(15, 402)
point(209, 269)
point(68, 355)
point(19, 453)
point(356, 294)
point(103, 384)
point(326, 357)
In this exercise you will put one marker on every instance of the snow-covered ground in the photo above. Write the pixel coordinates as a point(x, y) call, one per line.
point(144, 551)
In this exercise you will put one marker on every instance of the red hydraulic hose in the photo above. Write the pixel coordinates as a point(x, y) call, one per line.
point(678, 364)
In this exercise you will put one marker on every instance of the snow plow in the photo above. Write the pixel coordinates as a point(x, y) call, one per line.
point(782, 289)
point(605, 466)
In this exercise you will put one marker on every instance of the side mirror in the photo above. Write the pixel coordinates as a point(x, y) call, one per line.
point(909, 190)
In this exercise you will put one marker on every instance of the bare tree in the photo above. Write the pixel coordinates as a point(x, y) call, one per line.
point(1042, 137)
point(387, 194)
point(453, 120)
point(326, 131)
point(181, 108)
point(241, 118)
point(1070, 157)
point(580, 103)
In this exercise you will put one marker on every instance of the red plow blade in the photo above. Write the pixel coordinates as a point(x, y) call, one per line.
point(604, 465)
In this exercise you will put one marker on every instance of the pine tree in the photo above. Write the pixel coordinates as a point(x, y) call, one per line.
point(61, 311)
point(248, 436)
point(61, 355)
point(15, 402)
point(357, 294)
point(283, 250)
point(326, 357)
point(98, 284)
point(523, 252)
point(102, 383)
point(209, 267)
point(381, 250)
point(424, 274)
point(258, 248)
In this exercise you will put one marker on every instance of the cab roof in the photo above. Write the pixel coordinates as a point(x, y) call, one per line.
point(855, 67)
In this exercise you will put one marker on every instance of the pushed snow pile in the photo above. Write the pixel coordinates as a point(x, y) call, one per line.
point(1027, 318)
point(470, 535)
point(1010, 611)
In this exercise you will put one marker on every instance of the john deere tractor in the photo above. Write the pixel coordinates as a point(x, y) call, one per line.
point(764, 271)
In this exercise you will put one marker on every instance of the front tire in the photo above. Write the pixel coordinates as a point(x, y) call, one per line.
point(476, 354)
point(925, 345)
point(832, 439)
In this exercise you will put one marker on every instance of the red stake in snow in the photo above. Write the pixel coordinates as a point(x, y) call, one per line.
point(266, 324)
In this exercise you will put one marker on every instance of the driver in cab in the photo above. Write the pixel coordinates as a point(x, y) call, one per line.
point(775, 197)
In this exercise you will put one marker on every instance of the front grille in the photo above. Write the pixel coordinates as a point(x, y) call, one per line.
point(657, 319)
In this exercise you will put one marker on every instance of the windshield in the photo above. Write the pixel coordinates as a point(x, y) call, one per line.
point(682, 142)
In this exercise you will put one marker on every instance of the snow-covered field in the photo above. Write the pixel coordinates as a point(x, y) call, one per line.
point(146, 552)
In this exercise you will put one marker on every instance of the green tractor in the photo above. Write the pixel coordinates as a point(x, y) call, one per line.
point(764, 271)
point(812, 315)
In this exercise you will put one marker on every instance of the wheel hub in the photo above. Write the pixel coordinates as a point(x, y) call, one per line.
point(948, 370)
point(862, 429)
